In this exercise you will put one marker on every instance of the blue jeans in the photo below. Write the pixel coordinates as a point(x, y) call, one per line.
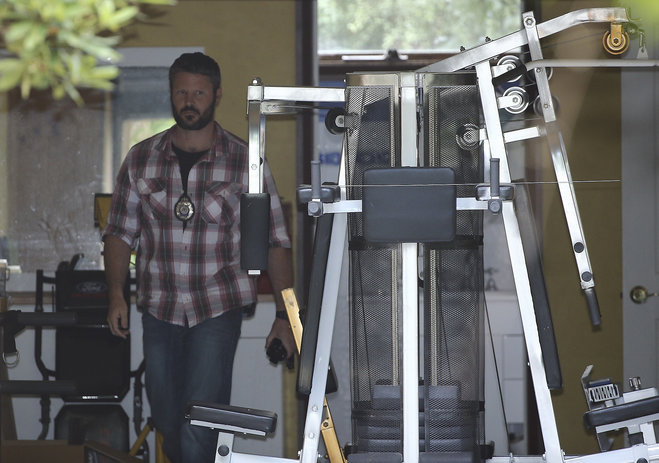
point(185, 364)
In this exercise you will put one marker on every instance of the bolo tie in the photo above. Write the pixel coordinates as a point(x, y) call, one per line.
point(184, 209)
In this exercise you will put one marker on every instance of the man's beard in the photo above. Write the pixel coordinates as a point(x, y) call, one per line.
point(204, 118)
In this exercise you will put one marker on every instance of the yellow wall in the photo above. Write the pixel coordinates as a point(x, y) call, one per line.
point(4, 220)
point(589, 117)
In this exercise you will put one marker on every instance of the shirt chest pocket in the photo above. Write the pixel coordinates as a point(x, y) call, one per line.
point(221, 203)
point(153, 196)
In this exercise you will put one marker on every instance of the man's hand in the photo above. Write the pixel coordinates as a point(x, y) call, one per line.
point(116, 255)
point(282, 330)
point(280, 272)
point(118, 317)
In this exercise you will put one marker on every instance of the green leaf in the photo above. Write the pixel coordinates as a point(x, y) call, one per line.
point(26, 85)
point(105, 72)
point(96, 46)
point(36, 37)
point(58, 43)
point(73, 93)
point(18, 30)
point(58, 91)
point(74, 67)
point(11, 70)
point(121, 17)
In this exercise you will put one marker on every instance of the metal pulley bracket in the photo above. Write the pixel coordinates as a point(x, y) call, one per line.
point(508, 64)
point(337, 121)
point(616, 40)
point(515, 100)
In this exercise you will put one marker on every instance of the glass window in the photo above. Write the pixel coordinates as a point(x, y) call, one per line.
point(430, 26)
point(405, 35)
point(55, 157)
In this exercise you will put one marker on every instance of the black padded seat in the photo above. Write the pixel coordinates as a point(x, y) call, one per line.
point(240, 419)
point(622, 412)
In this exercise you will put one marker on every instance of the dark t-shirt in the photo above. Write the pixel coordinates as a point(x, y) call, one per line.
point(186, 160)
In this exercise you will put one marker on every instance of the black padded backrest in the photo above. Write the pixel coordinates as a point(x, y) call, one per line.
point(533, 256)
point(312, 316)
point(409, 204)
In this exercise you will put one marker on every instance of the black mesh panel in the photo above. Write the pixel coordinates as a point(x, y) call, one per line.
point(453, 282)
point(451, 389)
point(374, 270)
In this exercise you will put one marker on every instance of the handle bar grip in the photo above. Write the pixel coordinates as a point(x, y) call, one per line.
point(495, 177)
point(14, 321)
point(315, 179)
point(593, 306)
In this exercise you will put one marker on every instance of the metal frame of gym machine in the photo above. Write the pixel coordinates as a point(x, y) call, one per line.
point(494, 196)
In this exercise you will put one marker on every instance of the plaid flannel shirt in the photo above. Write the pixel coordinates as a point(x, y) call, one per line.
point(193, 274)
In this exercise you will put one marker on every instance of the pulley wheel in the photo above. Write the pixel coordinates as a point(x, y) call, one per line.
point(335, 121)
point(467, 136)
point(537, 105)
point(520, 99)
point(615, 45)
point(510, 62)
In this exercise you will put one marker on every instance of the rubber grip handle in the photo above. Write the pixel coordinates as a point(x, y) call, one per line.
point(13, 322)
point(315, 179)
point(494, 177)
point(254, 231)
point(593, 306)
point(515, 72)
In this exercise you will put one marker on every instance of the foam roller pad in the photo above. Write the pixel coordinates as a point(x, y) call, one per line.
point(254, 230)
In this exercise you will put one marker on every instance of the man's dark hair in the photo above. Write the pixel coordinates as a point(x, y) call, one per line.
point(196, 63)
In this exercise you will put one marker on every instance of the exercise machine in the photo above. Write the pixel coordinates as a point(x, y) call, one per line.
point(424, 157)
point(13, 322)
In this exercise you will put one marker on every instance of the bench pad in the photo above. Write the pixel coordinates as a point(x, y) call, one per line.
point(623, 412)
point(238, 417)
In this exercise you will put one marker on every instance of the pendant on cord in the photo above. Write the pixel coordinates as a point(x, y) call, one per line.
point(184, 209)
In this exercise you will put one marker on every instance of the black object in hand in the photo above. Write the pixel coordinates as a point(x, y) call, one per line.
point(277, 352)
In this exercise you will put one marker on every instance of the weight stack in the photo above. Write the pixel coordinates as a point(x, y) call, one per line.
point(375, 312)
point(451, 386)
point(453, 278)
